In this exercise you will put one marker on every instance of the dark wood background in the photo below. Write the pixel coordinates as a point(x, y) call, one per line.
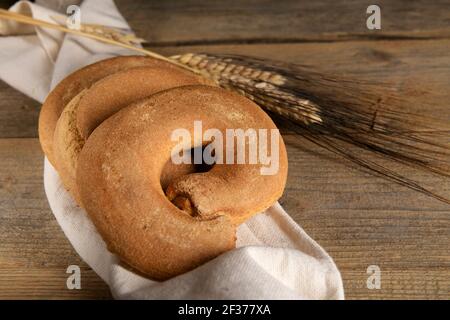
point(359, 219)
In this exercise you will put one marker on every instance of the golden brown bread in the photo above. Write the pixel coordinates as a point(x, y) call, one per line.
point(118, 179)
point(120, 89)
point(105, 97)
point(68, 88)
point(160, 218)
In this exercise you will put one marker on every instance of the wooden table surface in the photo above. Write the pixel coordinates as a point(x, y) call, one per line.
point(359, 219)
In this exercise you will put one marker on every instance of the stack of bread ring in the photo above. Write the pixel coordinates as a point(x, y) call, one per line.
point(107, 129)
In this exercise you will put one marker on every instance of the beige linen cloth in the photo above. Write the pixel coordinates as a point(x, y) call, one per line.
point(274, 258)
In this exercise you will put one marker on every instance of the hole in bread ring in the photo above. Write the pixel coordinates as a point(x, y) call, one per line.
point(119, 171)
point(171, 171)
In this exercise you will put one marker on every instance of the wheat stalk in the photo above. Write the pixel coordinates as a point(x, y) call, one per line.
point(104, 31)
point(8, 15)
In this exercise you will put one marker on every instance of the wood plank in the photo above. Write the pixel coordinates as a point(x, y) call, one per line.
point(264, 21)
point(18, 114)
point(359, 219)
point(49, 283)
point(362, 220)
point(34, 253)
point(418, 70)
point(185, 22)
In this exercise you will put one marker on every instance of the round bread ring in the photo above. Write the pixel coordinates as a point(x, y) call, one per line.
point(68, 88)
point(118, 179)
point(92, 106)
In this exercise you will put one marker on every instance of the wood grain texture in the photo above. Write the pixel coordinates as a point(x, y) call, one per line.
point(417, 69)
point(362, 220)
point(359, 219)
point(18, 114)
point(184, 22)
point(34, 253)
